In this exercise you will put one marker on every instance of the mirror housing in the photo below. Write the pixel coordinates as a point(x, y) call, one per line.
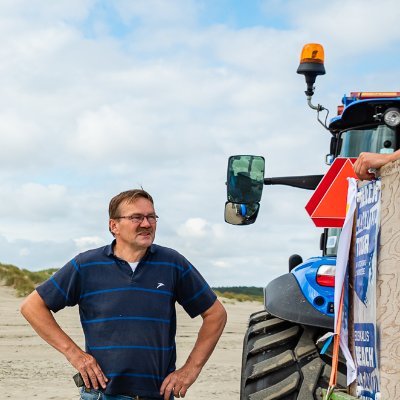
point(294, 261)
point(241, 214)
point(245, 179)
point(329, 158)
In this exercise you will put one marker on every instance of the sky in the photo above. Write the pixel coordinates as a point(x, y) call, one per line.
point(98, 97)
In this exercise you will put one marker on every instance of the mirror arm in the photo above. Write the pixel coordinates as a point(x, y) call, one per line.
point(309, 182)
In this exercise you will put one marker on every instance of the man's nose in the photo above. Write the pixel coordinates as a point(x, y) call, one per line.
point(145, 222)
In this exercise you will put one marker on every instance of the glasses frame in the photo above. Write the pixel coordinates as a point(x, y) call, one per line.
point(139, 218)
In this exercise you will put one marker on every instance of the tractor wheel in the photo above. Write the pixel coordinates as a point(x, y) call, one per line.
point(281, 361)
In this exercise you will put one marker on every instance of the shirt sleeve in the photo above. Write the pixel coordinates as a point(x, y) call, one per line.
point(193, 292)
point(63, 288)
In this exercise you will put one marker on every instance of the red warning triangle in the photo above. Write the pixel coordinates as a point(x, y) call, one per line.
point(327, 206)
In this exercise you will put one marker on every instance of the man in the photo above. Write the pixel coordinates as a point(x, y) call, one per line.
point(126, 293)
point(367, 161)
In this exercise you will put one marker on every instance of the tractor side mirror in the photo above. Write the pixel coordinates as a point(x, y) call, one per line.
point(294, 261)
point(245, 182)
point(241, 214)
point(333, 150)
point(329, 159)
point(245, 179)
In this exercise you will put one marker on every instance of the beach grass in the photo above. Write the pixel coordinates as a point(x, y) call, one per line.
point(23, 280)
point(241, 293)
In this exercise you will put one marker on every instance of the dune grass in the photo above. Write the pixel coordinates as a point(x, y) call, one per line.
point(23, 280)
point(241, 293)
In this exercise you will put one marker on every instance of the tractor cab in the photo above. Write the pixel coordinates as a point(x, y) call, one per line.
point(366, 122)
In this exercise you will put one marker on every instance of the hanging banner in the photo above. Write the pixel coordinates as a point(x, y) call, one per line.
point(341, 277)
point(365, 331)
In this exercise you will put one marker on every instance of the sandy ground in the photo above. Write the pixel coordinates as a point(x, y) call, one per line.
point(29, 368)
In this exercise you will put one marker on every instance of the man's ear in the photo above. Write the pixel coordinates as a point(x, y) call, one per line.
point(112, 226)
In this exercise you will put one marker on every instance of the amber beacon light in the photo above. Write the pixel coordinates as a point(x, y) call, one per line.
point(311, 65)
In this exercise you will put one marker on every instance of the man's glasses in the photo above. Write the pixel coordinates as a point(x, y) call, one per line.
point(139, 218)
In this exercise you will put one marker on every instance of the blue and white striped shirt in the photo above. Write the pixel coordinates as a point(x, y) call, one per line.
point(129, 318)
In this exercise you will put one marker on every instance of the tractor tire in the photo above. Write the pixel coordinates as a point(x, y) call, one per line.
point(281, 361)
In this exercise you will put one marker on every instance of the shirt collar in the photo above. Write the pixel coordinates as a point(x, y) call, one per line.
point(109, 249)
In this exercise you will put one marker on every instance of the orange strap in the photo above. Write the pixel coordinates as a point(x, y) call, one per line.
point(336, 341)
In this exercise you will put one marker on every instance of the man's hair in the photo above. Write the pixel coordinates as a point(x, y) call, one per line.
point(128, 196)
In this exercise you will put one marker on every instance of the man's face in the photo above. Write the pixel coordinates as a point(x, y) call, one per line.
point(127, 232)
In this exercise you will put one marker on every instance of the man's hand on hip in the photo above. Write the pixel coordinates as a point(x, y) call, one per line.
point(88, 367)
point(179, 381)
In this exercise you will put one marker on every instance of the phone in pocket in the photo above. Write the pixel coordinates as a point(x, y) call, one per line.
point(78, 380)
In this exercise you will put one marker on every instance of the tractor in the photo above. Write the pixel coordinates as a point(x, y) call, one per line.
point(281, 357)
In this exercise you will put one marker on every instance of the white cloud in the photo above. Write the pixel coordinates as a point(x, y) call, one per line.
point(158, 11)
point(36, 255)
point(193, 227)
point(19, 137)
point(36, 11)
point(95, 103)
point(33, 201)
point(350, 28)
point(104, 133)
point(222, 264)
point(88, 242)
point(24, 252)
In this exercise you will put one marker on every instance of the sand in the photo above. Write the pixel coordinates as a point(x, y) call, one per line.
point(30, 368)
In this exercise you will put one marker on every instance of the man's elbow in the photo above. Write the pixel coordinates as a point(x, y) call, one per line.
point(25, 305)
point(224, 315)
point(216, 315)
point(31, 303)
point(220, 314)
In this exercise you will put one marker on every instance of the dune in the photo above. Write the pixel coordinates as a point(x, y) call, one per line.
point(30, 368)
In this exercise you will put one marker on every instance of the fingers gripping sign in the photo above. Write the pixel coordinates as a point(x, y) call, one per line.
point(364, 163)
point(367, 163)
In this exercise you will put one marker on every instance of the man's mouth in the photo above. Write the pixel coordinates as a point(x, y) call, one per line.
point(145, 233)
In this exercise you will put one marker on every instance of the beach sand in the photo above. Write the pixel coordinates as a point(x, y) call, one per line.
point(30, 368)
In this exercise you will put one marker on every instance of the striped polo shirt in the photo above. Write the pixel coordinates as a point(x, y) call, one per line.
point(129, 318)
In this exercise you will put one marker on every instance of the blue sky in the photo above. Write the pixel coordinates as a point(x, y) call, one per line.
point(102, 96)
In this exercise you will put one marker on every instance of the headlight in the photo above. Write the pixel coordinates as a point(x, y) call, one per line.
point(392, 117)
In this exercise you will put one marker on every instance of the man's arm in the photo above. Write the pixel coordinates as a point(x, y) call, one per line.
point(178, 382)
point(366, 161)
point(36, 312)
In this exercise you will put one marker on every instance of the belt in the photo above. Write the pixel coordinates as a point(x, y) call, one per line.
point(128, 397)
point(137, 397)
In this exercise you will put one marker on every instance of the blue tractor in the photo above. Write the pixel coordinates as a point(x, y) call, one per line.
point(281, 359)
